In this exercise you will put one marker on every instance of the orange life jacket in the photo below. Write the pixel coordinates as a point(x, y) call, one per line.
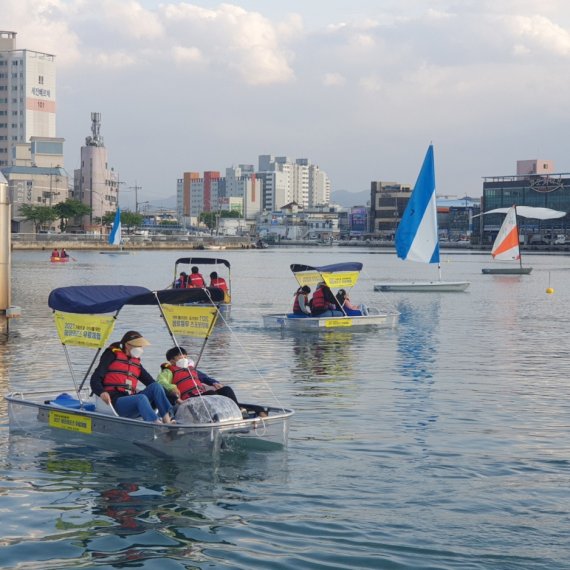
point(122, 374)
point(186, 380)
point(196, 280)
point(219, 282)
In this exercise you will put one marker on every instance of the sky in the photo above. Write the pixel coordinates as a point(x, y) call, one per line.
point(359, 87)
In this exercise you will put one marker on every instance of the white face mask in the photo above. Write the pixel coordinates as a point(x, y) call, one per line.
point(137, 351)
point(182, 363)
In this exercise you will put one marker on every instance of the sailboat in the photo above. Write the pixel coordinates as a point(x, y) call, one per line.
point(115, 237)
point(506, 245)
point(417, 234)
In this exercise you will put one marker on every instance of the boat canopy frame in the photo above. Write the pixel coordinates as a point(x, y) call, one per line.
point(203, 261)
point(106, 299)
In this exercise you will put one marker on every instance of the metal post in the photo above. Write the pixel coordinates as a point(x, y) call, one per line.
point(5, 246)
point(5, 255)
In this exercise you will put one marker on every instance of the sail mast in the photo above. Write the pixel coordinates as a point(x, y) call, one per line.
point(518, 238)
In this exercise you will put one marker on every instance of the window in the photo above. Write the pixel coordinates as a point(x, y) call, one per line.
point(41, 79)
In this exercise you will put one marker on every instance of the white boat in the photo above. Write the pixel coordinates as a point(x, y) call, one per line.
point(417, 234)
point(506, 246)
point(338, 275)
point(186, 263)
point(85, 317)
point(115, 237)
point(423, 286)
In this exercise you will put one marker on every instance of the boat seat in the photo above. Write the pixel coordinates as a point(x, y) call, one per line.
point(64, 400)
point(104, 408)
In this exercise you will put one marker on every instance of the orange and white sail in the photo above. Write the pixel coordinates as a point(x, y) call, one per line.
point(506, 244)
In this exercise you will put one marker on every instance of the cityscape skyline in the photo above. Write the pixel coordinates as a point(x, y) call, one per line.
point(360, 88)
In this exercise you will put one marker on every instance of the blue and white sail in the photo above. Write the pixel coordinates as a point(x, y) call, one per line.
point(417, 236)
point(115, 235)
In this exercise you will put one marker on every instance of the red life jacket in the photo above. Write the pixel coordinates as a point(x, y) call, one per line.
point(219, 282)
point(186, 380)
point(296, 305)
point(196, 280)
point(319, 303)
point(122, 374)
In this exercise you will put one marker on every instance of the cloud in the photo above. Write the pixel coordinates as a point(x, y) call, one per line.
point(538, 33)
point(187, 54)
point(129, 18)
point(334, 80)
point(245, 43)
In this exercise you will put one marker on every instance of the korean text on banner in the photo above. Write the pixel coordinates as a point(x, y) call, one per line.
point(190, 321)
point(338, 279)
point(91, 331)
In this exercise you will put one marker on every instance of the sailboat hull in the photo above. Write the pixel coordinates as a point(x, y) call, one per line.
point(424, 286)
point(506, 270)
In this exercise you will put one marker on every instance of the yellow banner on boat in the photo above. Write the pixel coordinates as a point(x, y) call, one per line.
point(91, 331)
point(337, 280)
point(190, 320)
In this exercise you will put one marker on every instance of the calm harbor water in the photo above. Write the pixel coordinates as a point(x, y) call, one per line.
point(441, 444)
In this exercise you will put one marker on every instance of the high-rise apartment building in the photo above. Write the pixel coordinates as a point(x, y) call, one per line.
point(27, 96)
point(287, 180)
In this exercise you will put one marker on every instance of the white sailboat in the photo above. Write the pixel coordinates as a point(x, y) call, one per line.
point(115, 237)
point(506, 246)
point(417, 235)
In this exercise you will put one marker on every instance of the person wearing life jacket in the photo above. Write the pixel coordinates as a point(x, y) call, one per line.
point(195, 278)
point(220, 282)
point(117, 376)
point(181, 380)
point(324, 303)
point(55, 253)
point(63, 253)
point(301, 305)
point(216, 281)
point(180, 283)
point(348, 307)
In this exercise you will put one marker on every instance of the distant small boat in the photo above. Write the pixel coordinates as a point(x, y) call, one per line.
point(417, 234)
point(115, 237)
point(423, 286)
point(54, 259)
point(506, 246)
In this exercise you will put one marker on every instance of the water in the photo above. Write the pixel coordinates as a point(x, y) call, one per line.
point(442, 444)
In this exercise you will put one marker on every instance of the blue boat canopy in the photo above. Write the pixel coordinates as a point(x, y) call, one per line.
point(334, 268)
point(99, 299)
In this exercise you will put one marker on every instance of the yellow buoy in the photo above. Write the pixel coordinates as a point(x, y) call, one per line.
point(549, 290)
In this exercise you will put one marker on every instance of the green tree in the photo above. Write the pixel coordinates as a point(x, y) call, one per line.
point(208, 218)
point(38, 215)
point(131, 220)
point(68, 210)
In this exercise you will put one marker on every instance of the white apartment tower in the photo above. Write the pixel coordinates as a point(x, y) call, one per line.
point(95, 184)
point(241, 182)
point(287, 181)
point(27, 96)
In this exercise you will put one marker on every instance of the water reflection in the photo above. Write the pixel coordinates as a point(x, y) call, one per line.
point(136, 508)
point(328, 356)
point(417, 362)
